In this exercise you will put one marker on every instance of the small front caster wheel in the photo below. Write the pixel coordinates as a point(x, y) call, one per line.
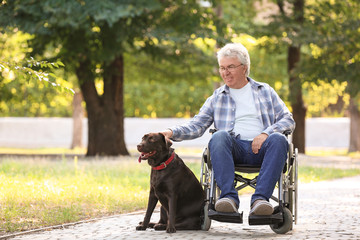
point(286, 225)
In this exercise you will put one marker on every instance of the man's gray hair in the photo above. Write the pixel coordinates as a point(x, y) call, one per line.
point(236, 50)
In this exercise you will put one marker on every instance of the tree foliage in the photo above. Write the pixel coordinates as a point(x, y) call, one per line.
point(29, 87)
point(102, 30)
point(164, 51)
point(30, 69)
point(324, 99)
point(91, 38)
point(333, 38)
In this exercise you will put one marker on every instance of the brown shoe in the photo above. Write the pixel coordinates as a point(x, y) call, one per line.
point(226, 205)
point(261, 207)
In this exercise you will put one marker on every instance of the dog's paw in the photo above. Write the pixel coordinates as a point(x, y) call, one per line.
point(170, 229)
point(160, 227)
point(141, 228)
point(150, 225)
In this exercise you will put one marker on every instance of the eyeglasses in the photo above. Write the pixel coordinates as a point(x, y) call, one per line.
point(230, 68)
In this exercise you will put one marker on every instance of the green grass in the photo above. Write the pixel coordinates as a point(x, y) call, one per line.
point(39, 192)
point(314, 174)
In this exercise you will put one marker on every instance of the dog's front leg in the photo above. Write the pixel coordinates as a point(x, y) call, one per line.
point(172, 214)
point(150, 208)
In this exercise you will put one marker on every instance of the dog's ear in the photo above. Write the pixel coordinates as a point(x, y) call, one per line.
point(167, 141)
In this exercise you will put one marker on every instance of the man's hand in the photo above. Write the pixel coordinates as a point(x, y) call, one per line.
point(257, 142)
point(167, 133)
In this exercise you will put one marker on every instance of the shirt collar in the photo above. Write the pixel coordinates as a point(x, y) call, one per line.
point(254, 84)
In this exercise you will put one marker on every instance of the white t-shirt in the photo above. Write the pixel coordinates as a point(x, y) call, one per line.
point(247, 122)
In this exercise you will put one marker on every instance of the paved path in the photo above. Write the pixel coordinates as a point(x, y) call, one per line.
point(327, 210)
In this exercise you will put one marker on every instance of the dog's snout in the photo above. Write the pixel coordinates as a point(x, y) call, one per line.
point(139, 147)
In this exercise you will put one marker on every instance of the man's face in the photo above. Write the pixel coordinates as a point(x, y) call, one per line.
point(232, 72)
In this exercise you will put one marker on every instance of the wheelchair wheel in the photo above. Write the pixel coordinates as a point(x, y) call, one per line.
point(205, 169)
point(296, 185)
point(293, 189)
point(206, 221)
point(292, 194)
point(286, 225)
point(205, 180)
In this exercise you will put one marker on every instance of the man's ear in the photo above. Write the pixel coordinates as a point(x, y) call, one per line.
point(167, 141)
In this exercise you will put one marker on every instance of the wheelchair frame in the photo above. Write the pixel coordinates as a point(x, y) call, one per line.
point(285, 213)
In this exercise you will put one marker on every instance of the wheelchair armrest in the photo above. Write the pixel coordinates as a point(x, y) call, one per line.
point(288, 135)
point(213, 130)
point(287, 132)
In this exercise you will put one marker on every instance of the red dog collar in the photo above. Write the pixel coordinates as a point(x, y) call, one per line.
point(164, 164)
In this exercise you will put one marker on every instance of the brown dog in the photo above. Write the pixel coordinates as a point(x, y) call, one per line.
point(173, 184)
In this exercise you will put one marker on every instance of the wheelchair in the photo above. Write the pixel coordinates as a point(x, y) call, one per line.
point(285, 211)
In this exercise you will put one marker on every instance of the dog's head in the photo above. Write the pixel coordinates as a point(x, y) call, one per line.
point(154, 147)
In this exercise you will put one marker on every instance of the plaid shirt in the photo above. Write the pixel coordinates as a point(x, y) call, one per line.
point(220, 110)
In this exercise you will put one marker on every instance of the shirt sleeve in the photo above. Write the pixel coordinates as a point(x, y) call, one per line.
point(197, 126)
point(283, 120)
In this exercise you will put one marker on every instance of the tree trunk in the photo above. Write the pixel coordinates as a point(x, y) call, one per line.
point(78, 113)
point(354, 126)
point(296, 99)
point(105, 113)
point(219, 13)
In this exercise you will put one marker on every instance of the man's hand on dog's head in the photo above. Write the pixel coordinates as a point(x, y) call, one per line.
point(167, 133)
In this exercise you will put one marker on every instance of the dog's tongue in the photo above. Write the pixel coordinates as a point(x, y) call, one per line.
point(144, 155)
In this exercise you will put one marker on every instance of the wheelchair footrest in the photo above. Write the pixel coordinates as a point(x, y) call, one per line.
point(225, 217)
point(266, 220)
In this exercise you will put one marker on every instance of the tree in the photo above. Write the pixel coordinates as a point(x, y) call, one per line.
point(78, 114)
point(295, 86)
point(281, 22)
point(328, 32)
point(322, 39)
point(286, 26)
point(334, 43)
point(91, 37)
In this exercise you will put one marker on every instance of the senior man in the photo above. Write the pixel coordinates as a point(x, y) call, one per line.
point(250, 118)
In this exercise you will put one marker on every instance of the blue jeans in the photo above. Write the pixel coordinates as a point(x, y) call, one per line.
point(227, 150)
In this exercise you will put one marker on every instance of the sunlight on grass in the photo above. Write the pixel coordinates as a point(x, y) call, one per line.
point(43, 151)
point(313, 174)
point(39, 192)
point(332, 152)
